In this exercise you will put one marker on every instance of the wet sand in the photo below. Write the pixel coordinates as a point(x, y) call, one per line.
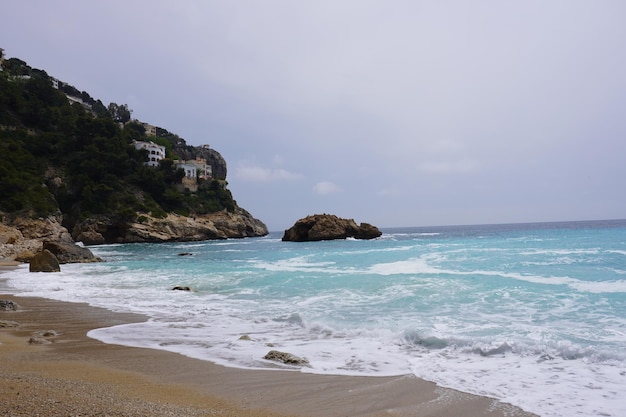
point(70, 374)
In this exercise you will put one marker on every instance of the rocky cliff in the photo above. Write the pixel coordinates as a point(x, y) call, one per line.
point(22, 237)
point(173, 228)
point(71, 173)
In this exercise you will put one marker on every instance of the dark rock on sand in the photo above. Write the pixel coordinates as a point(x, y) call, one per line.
point(47, 333)
point(36, 340)
point(44, 261)
point(8, 305)
point(329, 227)
point(43, 337)
point(286, 358)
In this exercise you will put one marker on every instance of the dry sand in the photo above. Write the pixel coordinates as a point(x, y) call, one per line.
point(73, 375)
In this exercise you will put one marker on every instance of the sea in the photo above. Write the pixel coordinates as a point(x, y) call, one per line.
point(531, 314)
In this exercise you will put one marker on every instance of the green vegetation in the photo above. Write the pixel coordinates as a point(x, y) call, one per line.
point(77, 156)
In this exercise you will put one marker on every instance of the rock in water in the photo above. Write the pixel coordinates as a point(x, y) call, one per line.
point(329, 227)
point(286, 358)
point(44, 261)
point(70, 252)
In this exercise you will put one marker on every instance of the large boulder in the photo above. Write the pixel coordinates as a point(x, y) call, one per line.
point(70, 253)
point(44, 261)
point(329, 227)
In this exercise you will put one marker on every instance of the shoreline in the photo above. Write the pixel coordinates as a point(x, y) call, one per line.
point(111, 378)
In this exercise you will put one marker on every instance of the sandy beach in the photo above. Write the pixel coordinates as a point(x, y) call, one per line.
point(66, 373)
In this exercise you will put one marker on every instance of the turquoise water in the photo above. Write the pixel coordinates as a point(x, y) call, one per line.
point(534, 314)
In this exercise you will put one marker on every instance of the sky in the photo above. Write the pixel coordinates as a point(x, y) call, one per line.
point(396, 113)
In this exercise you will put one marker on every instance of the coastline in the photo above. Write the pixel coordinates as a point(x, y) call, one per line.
point(76, 373)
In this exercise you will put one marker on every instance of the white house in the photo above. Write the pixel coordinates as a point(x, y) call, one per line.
point(155, 152)
point(190, 180)
point(190, 169)
point(203, 170)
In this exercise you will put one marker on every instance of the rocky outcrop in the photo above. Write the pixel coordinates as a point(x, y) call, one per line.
point(70, 253)
point(173, 228)
point(48, 228)
point(22, 236)
point(44, 261)
point(329, 227)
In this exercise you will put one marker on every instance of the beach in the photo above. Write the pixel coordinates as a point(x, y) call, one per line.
point(67, 373)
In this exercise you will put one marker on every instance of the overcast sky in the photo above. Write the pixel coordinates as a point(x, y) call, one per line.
point(396, 113)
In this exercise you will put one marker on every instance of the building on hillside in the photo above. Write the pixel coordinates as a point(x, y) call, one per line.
point(155, 152)
point(80, 101)
point(190, 180)
point(190, 169)
point(204, 171)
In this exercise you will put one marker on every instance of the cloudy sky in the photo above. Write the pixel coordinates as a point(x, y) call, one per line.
point(396, 113)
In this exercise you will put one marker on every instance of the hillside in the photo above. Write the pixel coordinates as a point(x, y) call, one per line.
point(67, 155)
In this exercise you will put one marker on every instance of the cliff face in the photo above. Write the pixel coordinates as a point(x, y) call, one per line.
point(21, 237)
point(173, 228)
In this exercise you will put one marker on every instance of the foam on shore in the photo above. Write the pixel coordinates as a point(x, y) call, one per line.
point(159, 382)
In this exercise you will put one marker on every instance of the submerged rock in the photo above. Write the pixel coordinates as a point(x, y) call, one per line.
point(329, 227)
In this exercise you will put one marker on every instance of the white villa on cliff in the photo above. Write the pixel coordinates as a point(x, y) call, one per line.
point(155, 152)
point(194, 168)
